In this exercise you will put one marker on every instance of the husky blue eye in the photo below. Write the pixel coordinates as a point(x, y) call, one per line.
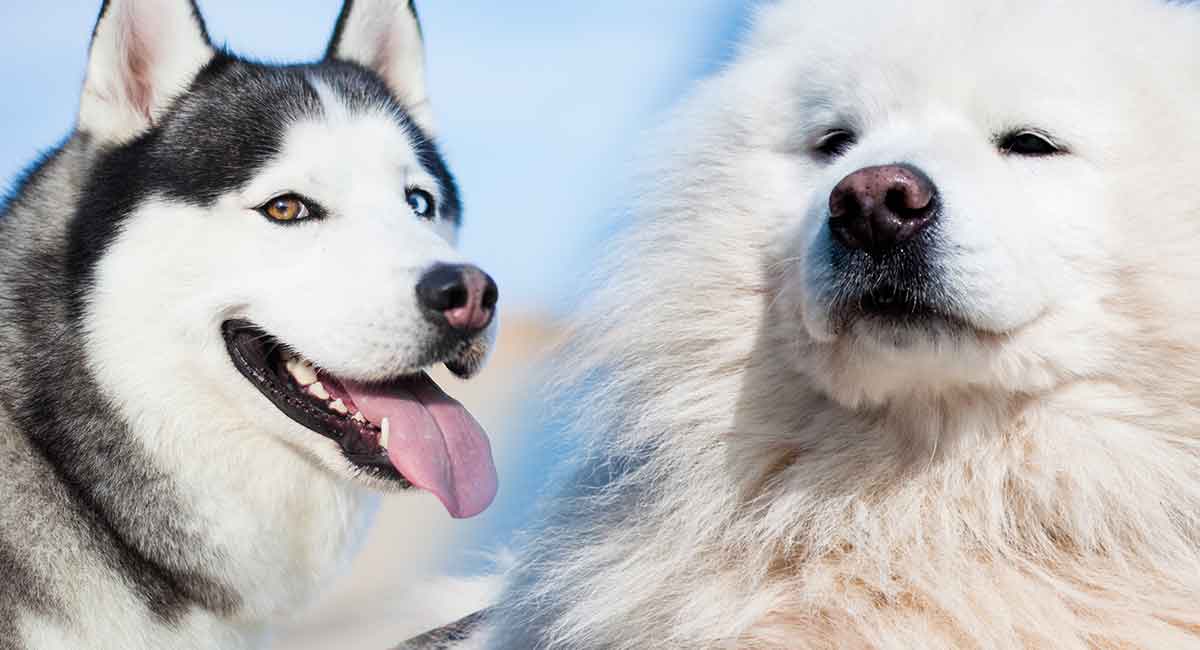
point(1028, 143)
point(421, 203)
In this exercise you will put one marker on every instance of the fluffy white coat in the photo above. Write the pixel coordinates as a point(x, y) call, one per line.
point(756, 477)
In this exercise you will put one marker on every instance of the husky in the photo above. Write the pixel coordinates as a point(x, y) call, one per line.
point(902, 349)
point(219, 299)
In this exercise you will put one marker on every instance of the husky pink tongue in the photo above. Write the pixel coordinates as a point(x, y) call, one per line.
point(433, 441)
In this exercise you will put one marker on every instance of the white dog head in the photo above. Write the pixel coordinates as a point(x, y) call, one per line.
point(946, 209)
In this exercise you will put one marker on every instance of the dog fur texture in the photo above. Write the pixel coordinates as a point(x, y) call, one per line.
point(764, 467)
point(150, 496)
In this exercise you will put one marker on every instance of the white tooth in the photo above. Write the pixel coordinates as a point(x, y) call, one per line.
point(302, 371)
point(318, 391)
point(358, 417)
point(385, 434)
point(339, 406)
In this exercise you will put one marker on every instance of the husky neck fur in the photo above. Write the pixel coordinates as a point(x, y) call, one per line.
point(778, 459)
point(151, 495)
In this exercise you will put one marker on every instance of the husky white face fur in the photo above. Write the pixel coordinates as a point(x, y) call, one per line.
point(223, 291)
point(297, 221)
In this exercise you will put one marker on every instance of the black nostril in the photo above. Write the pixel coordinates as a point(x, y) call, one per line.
point(444, 287)
point(897, 201)
point(456, 297)
point(491, 293)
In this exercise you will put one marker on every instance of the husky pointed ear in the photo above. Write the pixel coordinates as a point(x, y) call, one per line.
point(144, 54)
point(385, 36)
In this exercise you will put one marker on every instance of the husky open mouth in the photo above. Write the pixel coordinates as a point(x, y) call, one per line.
point(405, 430)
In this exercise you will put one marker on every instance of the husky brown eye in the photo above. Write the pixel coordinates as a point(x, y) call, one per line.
point(421, 203)
point(835, 143)
point(1028, 143)
point(288, 207)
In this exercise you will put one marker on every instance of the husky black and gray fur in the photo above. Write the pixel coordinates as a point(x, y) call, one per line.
point(149, 496)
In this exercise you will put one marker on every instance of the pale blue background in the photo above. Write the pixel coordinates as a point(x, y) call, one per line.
point(540, 106)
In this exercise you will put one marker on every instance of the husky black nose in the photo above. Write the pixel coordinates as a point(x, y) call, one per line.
point(463, 294)
point(877, 208)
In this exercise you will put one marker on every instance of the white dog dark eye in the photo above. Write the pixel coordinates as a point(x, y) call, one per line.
point(835, 143)
point(421, 203)
point(1028, 143)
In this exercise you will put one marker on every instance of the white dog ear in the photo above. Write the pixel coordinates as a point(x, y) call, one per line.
point(144, 54)
point(385, 36)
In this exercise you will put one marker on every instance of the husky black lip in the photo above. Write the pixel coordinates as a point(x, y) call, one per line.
point(256, 355)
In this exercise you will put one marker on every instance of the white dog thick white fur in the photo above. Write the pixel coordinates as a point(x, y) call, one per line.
point(985, 434)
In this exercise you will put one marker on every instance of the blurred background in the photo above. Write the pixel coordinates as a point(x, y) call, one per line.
point(540, 107)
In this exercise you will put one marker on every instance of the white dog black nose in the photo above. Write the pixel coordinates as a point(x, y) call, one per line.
point(462, 294)
point(876, 209)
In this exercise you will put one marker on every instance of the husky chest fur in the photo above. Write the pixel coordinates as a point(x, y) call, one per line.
point(219, 298)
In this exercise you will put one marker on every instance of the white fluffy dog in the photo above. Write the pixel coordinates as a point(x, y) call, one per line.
point(903, 350)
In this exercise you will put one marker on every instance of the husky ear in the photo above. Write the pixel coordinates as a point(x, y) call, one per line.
point(144, 54)
point(385, 36)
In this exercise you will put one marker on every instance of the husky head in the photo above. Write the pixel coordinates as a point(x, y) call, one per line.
point(949, 209)
point(270, 249)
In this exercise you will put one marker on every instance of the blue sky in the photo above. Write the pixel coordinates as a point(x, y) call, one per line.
point(540, 104)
